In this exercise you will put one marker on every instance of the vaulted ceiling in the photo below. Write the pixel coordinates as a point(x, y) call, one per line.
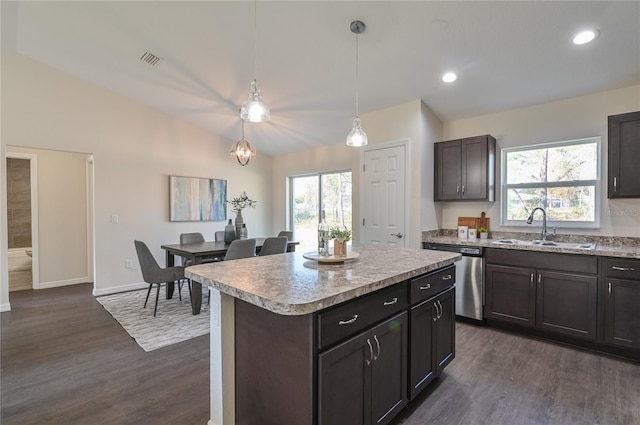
point(507, 54)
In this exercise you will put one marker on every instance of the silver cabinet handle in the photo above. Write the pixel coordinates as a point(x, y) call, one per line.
point(392, 302)
point(441, 310)
point(609, 288)
point(398, 235)
point(435, 305)
point(438, 310)
point(370, 352)
point(615, 184)
point(623, 269)
point(349, 321)
point(375, 337)
point(540, 280)
point(463, 190)
point(447, 277)
point(425, 287)
point(532, 278)
point(458, 190)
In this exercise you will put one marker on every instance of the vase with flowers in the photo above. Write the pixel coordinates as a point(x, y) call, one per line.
point(237, 205)
point(340, 236)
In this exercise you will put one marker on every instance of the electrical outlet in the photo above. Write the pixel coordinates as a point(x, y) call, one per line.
point(115, 218)
point(128, 264)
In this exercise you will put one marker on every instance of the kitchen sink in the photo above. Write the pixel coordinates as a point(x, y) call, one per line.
point(550, 244)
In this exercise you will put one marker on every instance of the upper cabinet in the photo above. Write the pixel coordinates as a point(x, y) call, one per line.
point(465, 169)
point(624, 152)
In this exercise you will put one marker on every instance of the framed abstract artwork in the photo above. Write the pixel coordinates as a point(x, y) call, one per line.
point(197, 199)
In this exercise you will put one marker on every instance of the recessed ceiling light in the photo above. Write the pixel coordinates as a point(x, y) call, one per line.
point(585, 36)
point(449, 77)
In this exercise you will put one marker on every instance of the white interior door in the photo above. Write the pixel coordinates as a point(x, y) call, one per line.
point(384, 196)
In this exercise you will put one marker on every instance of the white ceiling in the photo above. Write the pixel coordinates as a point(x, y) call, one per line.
point(508, 54)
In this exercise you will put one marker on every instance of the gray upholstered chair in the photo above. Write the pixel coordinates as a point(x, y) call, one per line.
point(195, 237)
point(219, 236)
point(241, 248)
point(153, 274)
point(277, 245)
point(286, 233)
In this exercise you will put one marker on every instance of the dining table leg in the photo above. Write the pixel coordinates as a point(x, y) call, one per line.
point(196, 297)
point(170, 259)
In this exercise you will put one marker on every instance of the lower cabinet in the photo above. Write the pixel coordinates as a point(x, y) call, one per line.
point(364, 379)
point(432, 339)
point(528, 289)
point(621, 302)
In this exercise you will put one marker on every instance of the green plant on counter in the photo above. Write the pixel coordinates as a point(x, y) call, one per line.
point(340, 233)
point(483, 230)
point(241, 202)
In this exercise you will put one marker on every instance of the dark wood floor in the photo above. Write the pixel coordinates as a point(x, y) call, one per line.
point(64, 360)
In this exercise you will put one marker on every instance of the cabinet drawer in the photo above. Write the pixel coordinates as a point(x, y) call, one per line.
point(353, 316)
point(620, 268)
point(430, 284)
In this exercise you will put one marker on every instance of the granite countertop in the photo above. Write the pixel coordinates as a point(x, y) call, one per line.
point(289, 284)
point(600, 249)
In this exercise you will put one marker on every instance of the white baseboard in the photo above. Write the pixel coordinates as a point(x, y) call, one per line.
point(5, 307)
point(121, 288)
point(66, 282)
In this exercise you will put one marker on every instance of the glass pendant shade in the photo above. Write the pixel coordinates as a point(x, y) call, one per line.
point(357, 136)
point(243, 151)
point(254, 109)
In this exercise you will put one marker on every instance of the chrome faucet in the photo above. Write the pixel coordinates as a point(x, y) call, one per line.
point(544, 221)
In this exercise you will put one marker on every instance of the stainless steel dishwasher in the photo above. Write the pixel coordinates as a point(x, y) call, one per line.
point(469, 280)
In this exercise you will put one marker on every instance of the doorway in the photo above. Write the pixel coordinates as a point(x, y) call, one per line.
point(61, 215)
point(384, 192)
point(22, 221)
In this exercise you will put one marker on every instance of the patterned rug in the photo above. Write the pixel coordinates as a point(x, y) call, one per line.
point(173, 322)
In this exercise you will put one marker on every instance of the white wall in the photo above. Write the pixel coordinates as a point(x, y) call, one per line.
point(412, 122)
point(62, 220)
point(135, 149)
point(568, 119)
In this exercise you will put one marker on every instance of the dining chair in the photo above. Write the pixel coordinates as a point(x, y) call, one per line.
point(153, 274)
point(277, 245)
point(286, 233)
point(195, 237)
point(241, 248)
point(219, 236)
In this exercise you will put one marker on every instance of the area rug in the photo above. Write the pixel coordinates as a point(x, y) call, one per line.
point(173, 322)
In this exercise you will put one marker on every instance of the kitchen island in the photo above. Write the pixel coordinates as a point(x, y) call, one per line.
point(272, 320)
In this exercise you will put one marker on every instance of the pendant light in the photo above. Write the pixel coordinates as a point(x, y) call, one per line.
point(242, 150)
point(357, 136)
point(254, 109)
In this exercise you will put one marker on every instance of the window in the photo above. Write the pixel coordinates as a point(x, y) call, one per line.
point(311, 194)
point(563, 178)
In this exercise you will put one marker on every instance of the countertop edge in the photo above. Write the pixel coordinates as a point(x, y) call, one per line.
point(602, 251)
point(313, 306)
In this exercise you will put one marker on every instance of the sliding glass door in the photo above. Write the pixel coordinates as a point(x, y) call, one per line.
point(312, 194)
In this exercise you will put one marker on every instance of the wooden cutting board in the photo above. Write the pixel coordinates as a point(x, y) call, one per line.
point(475, 222)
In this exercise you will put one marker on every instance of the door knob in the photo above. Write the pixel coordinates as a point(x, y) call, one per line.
point(397, 235)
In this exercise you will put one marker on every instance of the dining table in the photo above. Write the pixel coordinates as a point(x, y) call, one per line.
point(197, 252)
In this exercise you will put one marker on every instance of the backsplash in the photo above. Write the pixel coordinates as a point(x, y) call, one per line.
point(598, 240)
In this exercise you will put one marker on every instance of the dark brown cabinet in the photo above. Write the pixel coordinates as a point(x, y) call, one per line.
point(364, 380)
point(551, 292)
point(432, 339)
point(624, 151)
point(465, 169)
point(510, 294)
point(621, 301)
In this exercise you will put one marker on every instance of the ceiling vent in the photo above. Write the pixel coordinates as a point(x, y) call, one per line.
point(149, 58)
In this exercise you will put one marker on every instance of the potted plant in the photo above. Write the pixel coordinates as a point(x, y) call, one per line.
point(237, 205)
point(484, 232)
point(340, 236)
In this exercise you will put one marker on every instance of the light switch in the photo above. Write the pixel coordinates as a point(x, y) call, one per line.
point(115, 218)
